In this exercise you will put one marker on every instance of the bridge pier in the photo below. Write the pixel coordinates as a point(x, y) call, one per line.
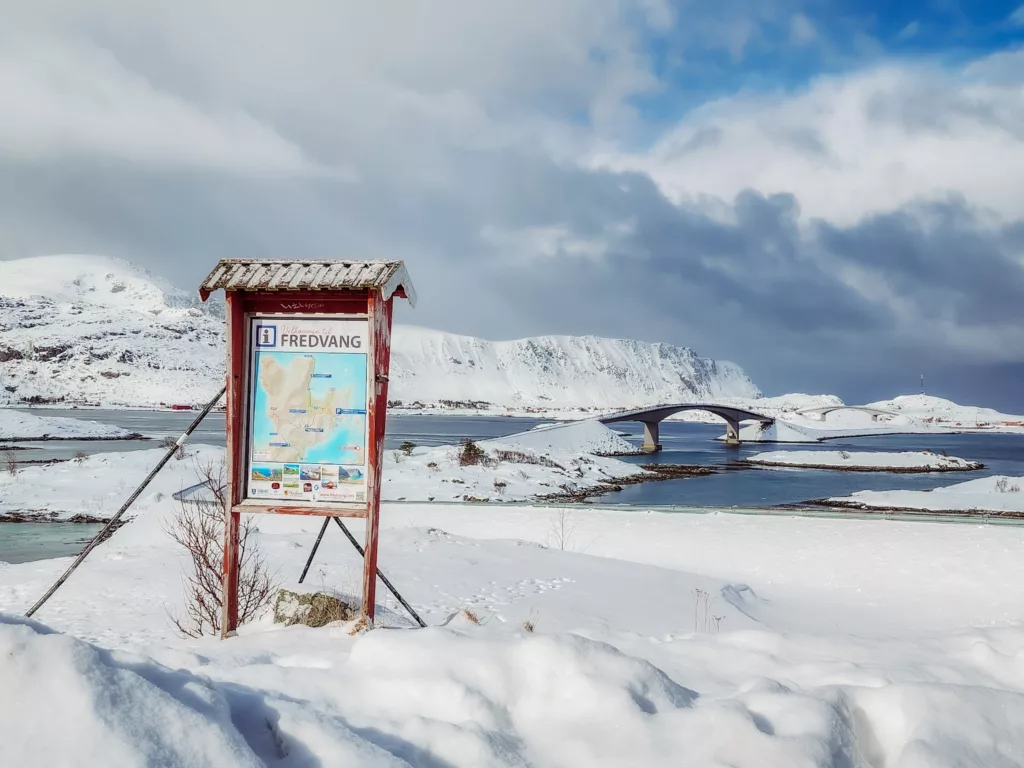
point(651, 435)
point(732, 432)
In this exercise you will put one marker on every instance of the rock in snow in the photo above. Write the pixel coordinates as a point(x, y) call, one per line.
point(100, 330)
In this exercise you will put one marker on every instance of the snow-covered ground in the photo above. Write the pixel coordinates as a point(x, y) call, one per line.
point(998, 493)
point(900, 461)
point(544, 462)
point(559, 459)
point(15, 425)
point(656, 639)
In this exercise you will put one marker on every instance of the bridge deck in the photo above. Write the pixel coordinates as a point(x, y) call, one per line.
point(660, 412)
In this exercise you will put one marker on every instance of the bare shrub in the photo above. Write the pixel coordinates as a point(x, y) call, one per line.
point(407, 448)
point(433, 465)
point(80, 457)
point(520, 457)
point(472, 454)
point(562, 532)
point(470, 614)
point(530, 624)
point(1003, 486)
point(198, 526)
point(500, 486)
point(397, 456)
point(11, 461)
point(844, 455)
point(172, 442)
point(703, 619)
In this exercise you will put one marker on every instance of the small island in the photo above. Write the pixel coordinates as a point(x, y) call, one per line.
point(865, 461)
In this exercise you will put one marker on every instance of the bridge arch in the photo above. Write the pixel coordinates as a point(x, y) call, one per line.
point(652, 417)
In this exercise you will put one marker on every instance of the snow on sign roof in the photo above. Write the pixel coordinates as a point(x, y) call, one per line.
point(389, 277)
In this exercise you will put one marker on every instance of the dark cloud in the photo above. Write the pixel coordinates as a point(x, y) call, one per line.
point(941, 258)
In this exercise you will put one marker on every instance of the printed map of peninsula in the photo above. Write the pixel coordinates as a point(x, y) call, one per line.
point(309, 408)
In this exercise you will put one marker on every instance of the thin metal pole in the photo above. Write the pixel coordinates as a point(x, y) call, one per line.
point(380, 575)
point(124, 507)
point(316, 546)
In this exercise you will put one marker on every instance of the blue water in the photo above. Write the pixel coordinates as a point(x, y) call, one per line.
point(695, 444)
point(26, 542)
point(684, 443)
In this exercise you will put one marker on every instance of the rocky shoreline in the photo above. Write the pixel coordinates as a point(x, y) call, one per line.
point(47, 438)
point(854, 505)
point(973, 466)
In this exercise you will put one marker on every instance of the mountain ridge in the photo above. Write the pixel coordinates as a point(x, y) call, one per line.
point(102, 330)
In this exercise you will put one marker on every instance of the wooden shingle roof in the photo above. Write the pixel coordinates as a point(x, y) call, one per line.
point(389, 277)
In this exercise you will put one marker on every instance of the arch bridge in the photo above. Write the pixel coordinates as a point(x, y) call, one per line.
point(824, 410)
point(651, 418)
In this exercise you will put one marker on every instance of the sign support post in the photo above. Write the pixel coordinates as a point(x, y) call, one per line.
point(308, 359)
point(380, 329)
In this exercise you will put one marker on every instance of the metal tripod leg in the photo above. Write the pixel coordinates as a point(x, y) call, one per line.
point(312, 554)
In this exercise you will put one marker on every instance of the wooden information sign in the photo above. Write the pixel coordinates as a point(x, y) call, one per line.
point(308, 352)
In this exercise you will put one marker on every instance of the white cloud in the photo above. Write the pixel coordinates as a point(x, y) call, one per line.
point(854, 144)
point(75, 100)
point(319, 84)
point(1017, 17)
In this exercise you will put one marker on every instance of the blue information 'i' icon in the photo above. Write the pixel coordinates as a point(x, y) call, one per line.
point(266, 335)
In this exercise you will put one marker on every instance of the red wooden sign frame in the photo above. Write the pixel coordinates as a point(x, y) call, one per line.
point(241, 307)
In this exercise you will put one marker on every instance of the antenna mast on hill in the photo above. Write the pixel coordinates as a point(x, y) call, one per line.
point(922, 383)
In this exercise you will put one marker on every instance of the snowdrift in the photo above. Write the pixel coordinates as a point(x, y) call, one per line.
point(480, 699)
point(68, 703)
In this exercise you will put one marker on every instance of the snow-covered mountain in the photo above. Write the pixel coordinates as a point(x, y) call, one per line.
point(556, 371)
point(100, 330)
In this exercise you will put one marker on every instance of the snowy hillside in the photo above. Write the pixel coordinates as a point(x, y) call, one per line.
point(100, 330)
point(941, 411)
point(97, 329)
point(556, 371)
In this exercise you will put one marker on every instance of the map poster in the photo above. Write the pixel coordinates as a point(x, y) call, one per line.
point(307, 409)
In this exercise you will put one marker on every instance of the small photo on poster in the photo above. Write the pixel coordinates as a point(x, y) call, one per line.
point(350, 475)
point(269, 474)
point(291, 471)
point(328, 477)
point(310, 472)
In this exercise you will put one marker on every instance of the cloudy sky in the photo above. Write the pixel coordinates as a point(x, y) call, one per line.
point(828, 192)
